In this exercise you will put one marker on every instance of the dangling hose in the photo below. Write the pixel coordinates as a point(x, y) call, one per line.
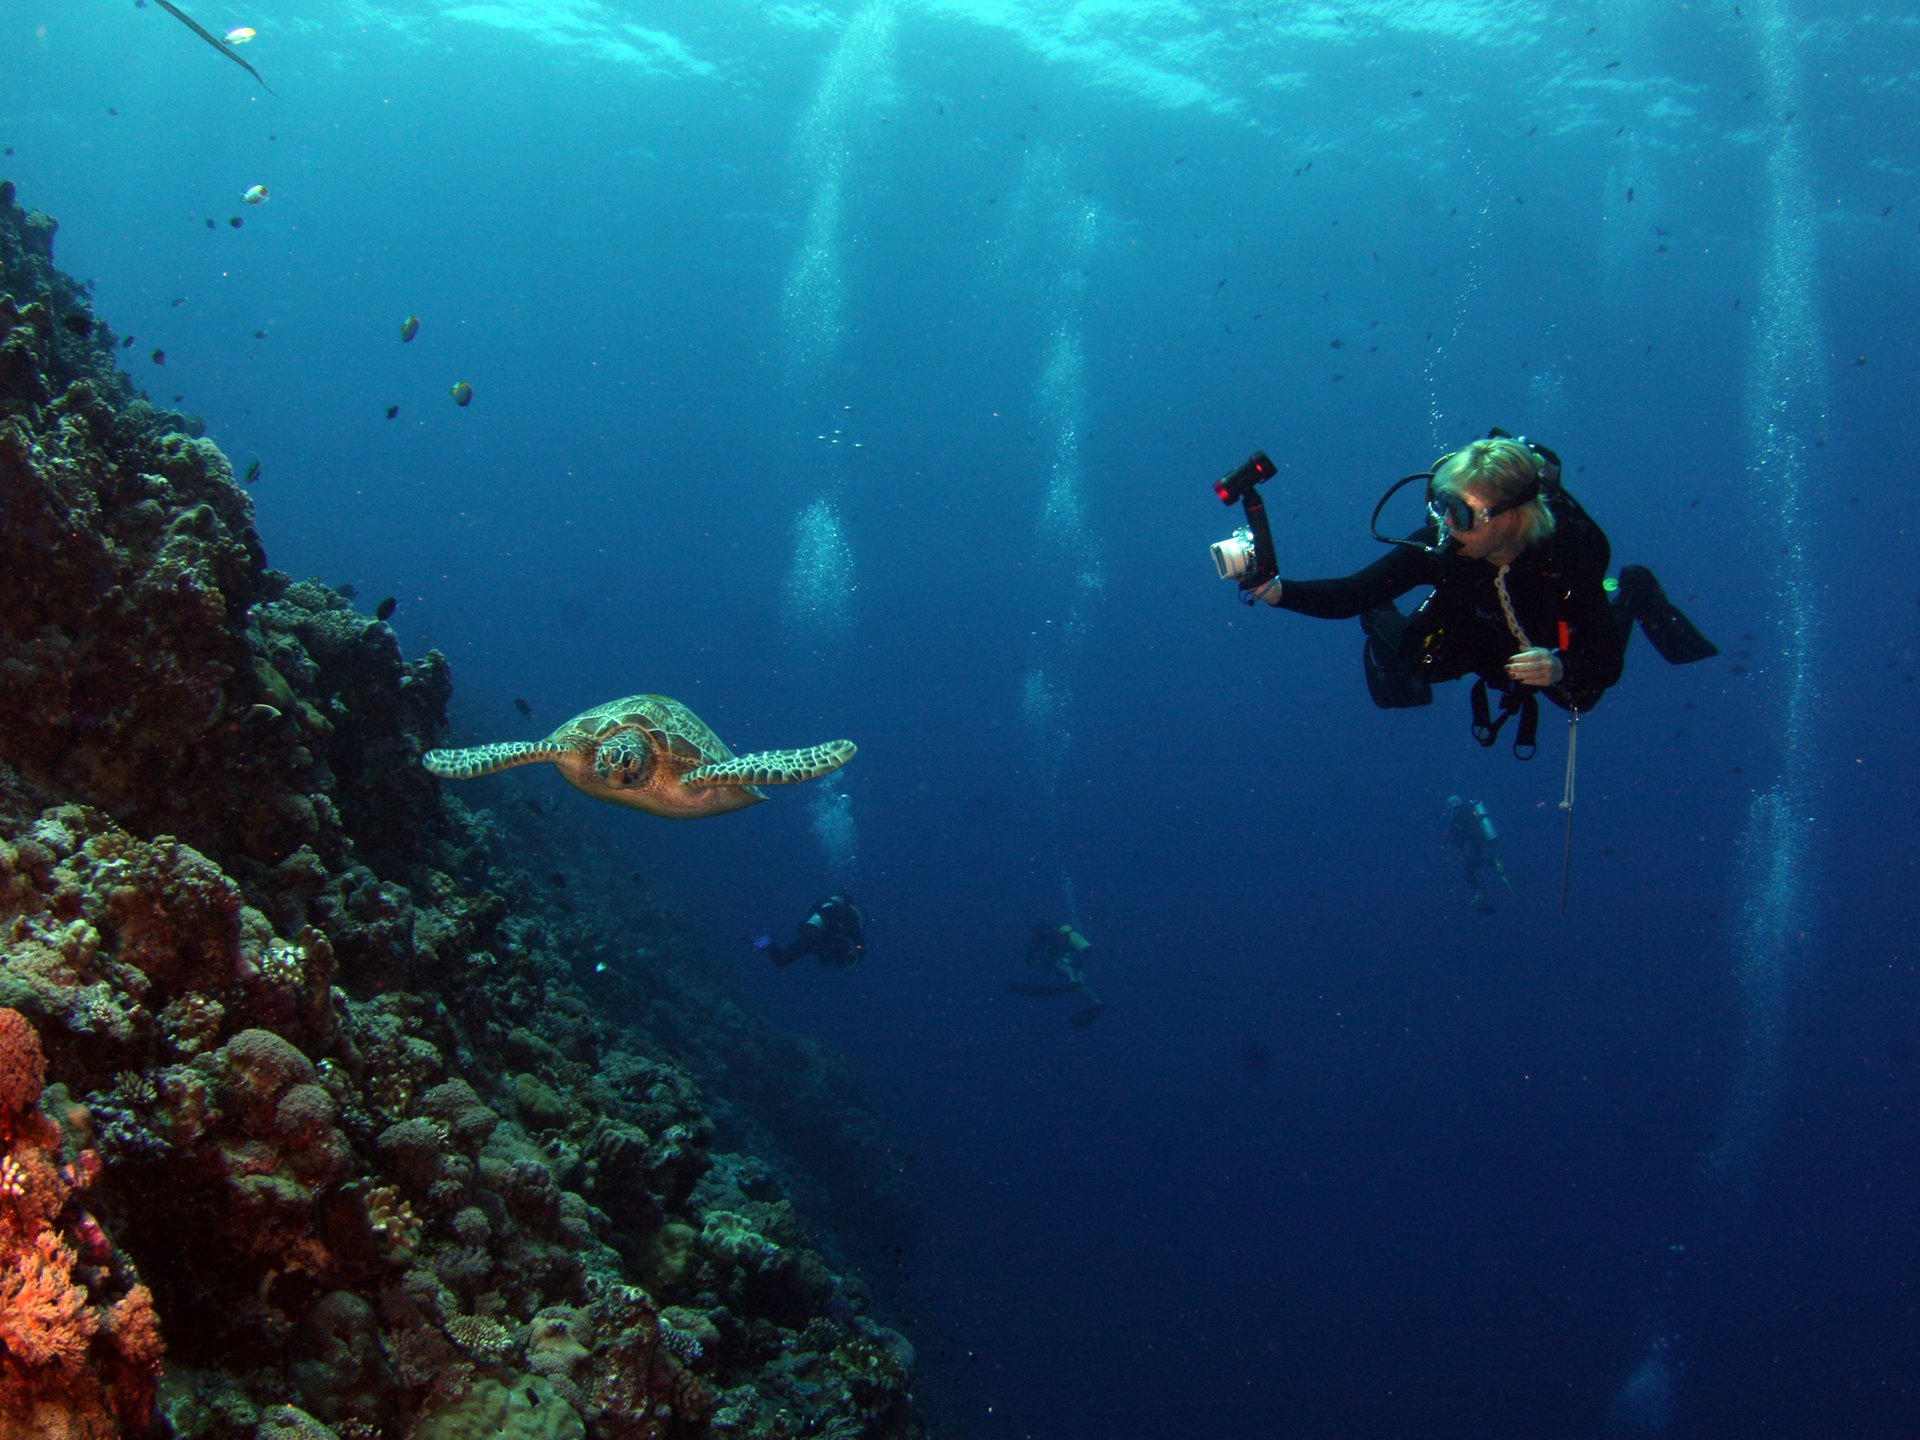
point(1566, 804)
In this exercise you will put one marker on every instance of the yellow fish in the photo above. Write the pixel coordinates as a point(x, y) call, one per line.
point(256, 194)
point(240, 34)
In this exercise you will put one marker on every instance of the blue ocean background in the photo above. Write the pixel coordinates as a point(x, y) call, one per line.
point(861, 369)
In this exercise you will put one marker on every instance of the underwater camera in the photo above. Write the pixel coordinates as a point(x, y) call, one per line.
point(1247, 554)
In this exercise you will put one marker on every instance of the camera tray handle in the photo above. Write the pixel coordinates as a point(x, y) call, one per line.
point(1266, 566)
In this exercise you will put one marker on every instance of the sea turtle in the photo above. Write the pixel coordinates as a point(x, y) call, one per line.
point(652, 753)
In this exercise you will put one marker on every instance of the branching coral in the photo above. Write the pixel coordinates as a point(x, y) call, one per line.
point(393, 1220)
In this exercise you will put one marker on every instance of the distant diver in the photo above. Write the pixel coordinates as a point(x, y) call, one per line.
point(1471, 835)
point(215, 41)
point(1062, 951)
point(835, 932)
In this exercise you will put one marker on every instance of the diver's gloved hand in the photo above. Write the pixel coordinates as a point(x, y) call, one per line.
point(1269, 592)
point(1536, 667)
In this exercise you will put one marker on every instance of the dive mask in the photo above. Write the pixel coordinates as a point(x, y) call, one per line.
point(1451, 514)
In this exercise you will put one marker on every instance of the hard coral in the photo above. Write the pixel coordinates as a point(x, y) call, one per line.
point(525, 1410)
point(263, 1067)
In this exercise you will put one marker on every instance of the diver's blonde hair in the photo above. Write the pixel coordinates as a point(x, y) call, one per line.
point(1501, 470)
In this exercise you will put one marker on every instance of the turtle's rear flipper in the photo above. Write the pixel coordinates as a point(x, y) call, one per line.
point(478, 760)
point(774, 767)
point(1666, 628)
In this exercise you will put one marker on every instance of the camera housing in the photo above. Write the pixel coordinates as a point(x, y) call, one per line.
point(1235, 555)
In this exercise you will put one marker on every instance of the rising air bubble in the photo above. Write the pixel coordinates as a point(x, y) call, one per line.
point(820, 585)
point(831, 811)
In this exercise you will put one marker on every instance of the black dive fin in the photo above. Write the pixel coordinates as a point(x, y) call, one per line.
point(1661, 621)
point(1080, 1019)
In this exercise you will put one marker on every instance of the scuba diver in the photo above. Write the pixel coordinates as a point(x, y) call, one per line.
point(1062, 951)
point(1520, 597)
point(1471, 835)
point(835, 931)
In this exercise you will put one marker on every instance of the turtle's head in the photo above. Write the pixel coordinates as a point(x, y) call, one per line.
point(623, 760)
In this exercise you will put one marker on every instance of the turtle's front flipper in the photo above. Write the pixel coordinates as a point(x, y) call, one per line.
point(478, 760)
point(774, 767)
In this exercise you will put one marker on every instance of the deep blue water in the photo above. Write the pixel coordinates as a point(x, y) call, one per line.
point(999, 289)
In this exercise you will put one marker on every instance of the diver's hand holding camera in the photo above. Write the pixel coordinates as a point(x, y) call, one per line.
point(1247, 554)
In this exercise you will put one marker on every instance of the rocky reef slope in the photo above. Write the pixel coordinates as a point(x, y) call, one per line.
point(307, 1127)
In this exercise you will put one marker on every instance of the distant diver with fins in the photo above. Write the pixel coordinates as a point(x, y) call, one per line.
point(215, 41)
point(835, 933)
point(1060, 951)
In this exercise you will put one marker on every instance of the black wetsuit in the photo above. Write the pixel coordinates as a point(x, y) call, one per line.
point(834, 931)
point(1555, 588)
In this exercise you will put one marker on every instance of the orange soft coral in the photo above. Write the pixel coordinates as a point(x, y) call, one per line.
point(76, 1364)
point(44, 1319)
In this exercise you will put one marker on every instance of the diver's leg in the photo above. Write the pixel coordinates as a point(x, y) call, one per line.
point(1667, 629)
point(805, 944)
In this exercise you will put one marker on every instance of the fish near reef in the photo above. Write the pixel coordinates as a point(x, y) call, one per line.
point(253, 472)
point(652, 753)
point(409, 328)
point(384, 610)
point(462, 393)
point(392, 410)
point(526, 710)
point(256, 195)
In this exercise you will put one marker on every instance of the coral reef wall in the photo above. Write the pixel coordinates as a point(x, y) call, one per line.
point(308, 1126)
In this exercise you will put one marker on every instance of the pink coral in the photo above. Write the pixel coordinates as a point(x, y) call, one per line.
point(135, 1328)
point(23, 1068)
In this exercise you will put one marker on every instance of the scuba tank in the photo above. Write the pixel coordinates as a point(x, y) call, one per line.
point(1485, 822)
point(1074, 938)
